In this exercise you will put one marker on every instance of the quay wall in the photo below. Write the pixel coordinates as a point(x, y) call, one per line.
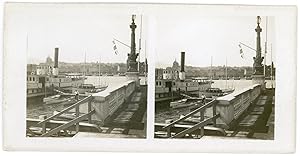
point(233, 105)
point(108, 101)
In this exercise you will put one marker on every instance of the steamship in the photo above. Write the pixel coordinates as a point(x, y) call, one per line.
point(43, 79)
point(171, 84)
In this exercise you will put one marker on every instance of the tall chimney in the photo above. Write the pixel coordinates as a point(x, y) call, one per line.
point(56, 58)
point(182, 61)
point(182, 73)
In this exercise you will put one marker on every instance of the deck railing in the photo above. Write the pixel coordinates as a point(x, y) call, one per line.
point(203, 122)
point(76, 121)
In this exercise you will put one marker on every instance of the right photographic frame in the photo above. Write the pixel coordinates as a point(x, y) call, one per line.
point(215, 77)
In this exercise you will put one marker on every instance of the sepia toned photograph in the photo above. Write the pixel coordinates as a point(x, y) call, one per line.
point(86, 72)
point(149, 77)
point(216, 79)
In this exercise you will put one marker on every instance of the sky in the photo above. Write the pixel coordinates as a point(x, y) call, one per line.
point(75, 30)
point(85, 29)
point(210, 40)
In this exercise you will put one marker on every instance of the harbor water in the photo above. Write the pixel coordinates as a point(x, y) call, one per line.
point(238, 84)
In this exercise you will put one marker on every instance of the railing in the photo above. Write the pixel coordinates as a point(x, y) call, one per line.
point(72, 122)
point(108, 101)
point(200, 125)
point(233, 105)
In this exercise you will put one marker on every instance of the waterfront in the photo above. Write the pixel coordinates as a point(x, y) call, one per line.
point(167, 113)
point(35, 107)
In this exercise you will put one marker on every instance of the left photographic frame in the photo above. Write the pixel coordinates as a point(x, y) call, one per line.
point(86, 73)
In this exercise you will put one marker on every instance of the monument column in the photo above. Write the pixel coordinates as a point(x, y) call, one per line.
point(258, 76)
point(132, 72)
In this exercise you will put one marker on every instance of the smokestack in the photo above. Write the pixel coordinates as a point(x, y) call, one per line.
point(56, 58)
point(182, 73)
point(55, 68)
point(182, 61)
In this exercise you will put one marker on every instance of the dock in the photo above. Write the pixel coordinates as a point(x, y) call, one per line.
point(247, 114)
point(119, 111)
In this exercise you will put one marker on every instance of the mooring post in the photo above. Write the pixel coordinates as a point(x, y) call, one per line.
point(77, 115)
point(44, 126)
point(169, 132)
point(215, 113)
point(202, 127)
point(89, 109)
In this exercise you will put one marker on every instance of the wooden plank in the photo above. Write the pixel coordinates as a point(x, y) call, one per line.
point(67, 109)
point(195, 127)
point(191, 113)
point(64, 126)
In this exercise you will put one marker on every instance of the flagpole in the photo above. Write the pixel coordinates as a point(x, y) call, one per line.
point(99, 74)
point(140, 43)
point(84, 65)
point(146, 66)
point(266, 45)
point(271, 69)
point(211, 59)
point(121, 42)
point(247, 46)
point(226, 74)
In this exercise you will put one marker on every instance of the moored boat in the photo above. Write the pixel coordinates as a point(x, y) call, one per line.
point(55, 99)
point(216, 92)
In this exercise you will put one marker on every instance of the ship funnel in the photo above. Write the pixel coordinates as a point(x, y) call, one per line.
point(55, 68)
point(182, 61)
point(182, 73)
point(56, 58)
